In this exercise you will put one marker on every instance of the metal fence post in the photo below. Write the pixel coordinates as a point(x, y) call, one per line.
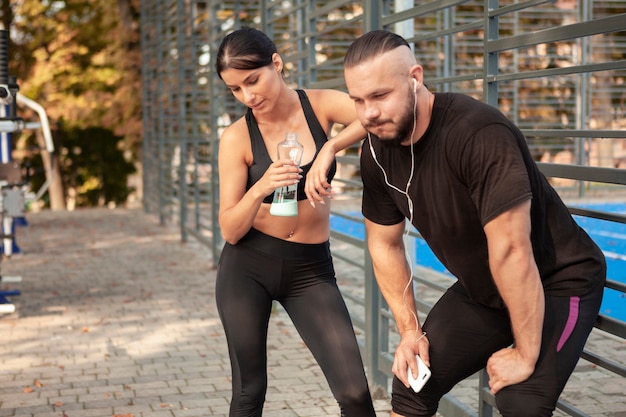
point(491, 58)
point(372, 323)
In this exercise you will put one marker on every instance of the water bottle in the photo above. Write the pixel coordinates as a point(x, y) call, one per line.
point(285, 202)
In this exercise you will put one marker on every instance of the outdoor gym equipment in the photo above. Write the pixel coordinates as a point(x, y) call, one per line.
point(15, 192)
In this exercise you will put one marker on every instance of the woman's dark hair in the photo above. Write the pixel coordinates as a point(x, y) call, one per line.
point(244, 49)
point(371, 45)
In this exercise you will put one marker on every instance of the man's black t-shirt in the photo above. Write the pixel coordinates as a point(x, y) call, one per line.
point(471, 165)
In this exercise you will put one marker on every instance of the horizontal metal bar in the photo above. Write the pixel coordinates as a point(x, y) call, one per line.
point(570, 410)
point(348, 159)
point(516, 7)
point(297, 56)
point(334, 83)
point(577, 30)
point(11, 126)
point(605, 363)
point(326, 9)
point(327, 29)
point(452, 406)
point(347, 238)
point(616, 285)
point(596, 214)
point(478, 24)
point(422, 10)
point(573, 70)
point(358, 263)
point(584, 173)
point(351, 183)
point(459, 78)
point(423, 307)
point(574, 133)
point(429, 277)
point(284, 11)
point(205, 240)
point(347, 217)
point(611, 325)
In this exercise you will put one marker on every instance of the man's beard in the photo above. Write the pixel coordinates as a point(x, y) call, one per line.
point(405, 125)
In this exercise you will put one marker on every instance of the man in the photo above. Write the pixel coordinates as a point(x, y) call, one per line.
point(530, 280)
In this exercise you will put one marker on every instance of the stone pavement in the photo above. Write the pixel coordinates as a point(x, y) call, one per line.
point(117, 318)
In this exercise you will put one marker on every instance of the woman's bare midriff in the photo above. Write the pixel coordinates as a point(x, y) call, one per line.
point(311, 225)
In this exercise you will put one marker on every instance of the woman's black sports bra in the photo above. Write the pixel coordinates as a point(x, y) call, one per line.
point(261, 159)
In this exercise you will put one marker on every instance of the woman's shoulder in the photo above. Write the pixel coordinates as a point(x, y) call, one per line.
point(238, 129)
point(332, 105)
point(236, 138)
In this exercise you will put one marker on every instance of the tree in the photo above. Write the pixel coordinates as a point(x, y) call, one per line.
point(81, 60)
point(94, 167)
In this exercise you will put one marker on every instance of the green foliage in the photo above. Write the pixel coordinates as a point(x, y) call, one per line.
point(80, 60)
point(93, 165)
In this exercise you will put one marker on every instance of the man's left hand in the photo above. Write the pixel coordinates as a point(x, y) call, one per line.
point(507, 367)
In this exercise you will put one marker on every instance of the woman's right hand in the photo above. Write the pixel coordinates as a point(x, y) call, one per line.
point(280, 173)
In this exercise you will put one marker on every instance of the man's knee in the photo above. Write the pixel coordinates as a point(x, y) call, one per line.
point(406, 403)
point(512, 403)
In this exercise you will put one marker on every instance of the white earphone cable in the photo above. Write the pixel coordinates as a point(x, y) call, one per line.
point(410, 206)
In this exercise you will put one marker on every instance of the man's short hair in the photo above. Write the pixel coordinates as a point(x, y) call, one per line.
point(371, 45)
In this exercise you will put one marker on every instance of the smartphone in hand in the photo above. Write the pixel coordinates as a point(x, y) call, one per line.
point(423, 374)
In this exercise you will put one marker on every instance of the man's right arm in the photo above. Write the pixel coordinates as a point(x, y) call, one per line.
point(392, 275)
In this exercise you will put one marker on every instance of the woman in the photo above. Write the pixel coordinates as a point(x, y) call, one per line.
point(267, 257)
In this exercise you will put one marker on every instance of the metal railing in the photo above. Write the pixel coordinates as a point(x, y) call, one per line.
point(555, 68)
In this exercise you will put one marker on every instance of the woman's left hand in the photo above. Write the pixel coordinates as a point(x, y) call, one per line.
point(317, 187)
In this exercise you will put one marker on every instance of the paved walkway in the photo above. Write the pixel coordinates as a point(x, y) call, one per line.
point(117, 318)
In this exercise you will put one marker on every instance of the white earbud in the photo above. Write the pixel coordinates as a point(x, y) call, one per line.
point(414, 86)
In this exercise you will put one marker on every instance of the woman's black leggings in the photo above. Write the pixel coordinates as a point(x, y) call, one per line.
point(260, 269)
